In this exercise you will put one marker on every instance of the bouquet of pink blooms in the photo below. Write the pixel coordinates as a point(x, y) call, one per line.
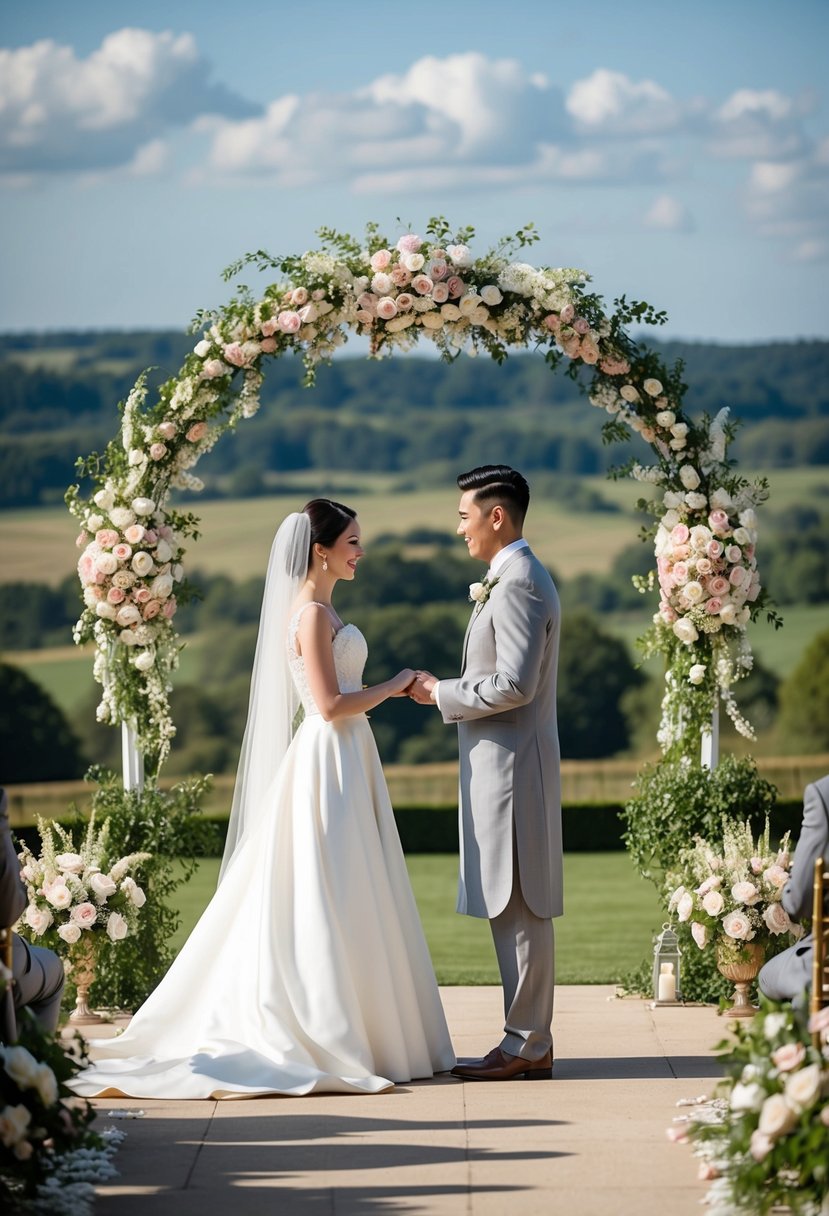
point(731, 893)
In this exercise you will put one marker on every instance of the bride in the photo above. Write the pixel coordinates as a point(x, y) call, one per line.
point(308, 971)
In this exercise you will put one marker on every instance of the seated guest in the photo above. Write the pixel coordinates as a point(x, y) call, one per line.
point(787, 976)
point(38, 973)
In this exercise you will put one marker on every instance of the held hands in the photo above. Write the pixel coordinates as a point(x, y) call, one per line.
point(421, 688)
point(403, 682)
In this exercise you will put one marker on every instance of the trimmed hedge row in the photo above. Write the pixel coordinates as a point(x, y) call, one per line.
point(587, 827)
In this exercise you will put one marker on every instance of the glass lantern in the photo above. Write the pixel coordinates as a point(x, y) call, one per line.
point(666, 964)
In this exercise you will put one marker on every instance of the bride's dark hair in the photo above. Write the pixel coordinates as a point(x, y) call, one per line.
point(329, 520)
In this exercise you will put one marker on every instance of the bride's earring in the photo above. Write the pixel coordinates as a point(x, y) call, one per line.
point(325, 563)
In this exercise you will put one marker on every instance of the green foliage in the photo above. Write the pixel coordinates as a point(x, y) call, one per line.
point(168, 824)
point(678, 800)
point(804, 698)
point(594, 673)
point(36, 741)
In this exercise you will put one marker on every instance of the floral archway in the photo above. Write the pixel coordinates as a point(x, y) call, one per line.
point(398, 293)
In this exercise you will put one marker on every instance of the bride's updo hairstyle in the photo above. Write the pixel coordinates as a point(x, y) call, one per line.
point(329, 520)
point(498, 483)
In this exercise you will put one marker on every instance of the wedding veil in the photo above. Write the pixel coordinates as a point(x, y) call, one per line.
point(273, 700)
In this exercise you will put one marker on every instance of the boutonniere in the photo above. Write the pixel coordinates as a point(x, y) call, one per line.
point(479, 593)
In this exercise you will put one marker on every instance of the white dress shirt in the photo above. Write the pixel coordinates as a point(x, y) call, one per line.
point(494, 566)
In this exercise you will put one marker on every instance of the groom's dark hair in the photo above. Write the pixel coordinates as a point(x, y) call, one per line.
point(498, 484)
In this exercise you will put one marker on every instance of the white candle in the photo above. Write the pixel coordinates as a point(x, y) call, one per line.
point(666, 990)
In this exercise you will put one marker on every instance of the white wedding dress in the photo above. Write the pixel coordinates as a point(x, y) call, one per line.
point(308, 971)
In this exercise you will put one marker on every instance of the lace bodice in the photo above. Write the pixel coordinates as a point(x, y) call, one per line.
point(350, 654)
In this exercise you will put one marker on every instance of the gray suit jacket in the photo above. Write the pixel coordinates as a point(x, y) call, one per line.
point(13, 900)
point(504, 703)
point(787, 975)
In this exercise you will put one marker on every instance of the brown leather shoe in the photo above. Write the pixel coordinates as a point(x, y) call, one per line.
point(498, 1066)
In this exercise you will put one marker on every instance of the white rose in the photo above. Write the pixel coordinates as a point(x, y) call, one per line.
point(94, 522)
point(728, 614)
point(652, 387)
point(161, 587)
point(14, 1123)
point(721, 500)
point(70, 932)
point(738, 926)
point(775, 1024)
point(670, 519)
point(142, 563)
point(103, 886)
point(104, 499)
point(700, 536)
point(202, 349)
point(134, 893)
point(122, 517)
point(776, 918)
point(748, 519)
point(477, 592)
point(777, 1118)
point(128, 615)
point(69, 861)
point(741, 536)
point(685, 630)
point(672, 499)
point(695, 501)
point(747, 1097)
point(432, 320)
point(143, 506)
point(46, 1085)
point(413, 261)
point(679, 430)
point(21, 1066)
point(163, 552)
point(491, 295)
point(629, 393)
point(105, 611)
point(713, 903)
point(398, 323)
point(700, 934)
point(450, 312)
point(693, 592)
point(666, 419)
point(58, 894)
point(116, 927)
point(459, 255)
point(106, 563)
point(689, 477)
point(469, 303)
point(144, 661)
point(136, 458)
point(697, 673)
point(685, 906)
point(803, 1087)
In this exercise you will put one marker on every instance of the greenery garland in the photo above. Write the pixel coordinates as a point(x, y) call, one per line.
point(397, 293)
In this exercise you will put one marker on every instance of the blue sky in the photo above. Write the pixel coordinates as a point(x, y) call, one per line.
point(677, 152)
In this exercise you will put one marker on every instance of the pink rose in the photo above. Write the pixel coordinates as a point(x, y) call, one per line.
point(789, 1056)
point(581, 326)
point(122, 552)
point(707, 1172)
point(368, 302)
point(718, 585)
point(819, 1022)
point(704, 566)
point(681, 552)
point(409, 243)
point(615, 367)
point(106, 538)
point(745, 893)
point(680, 573)
point(115, 595)
point(400, 276)
point(135, 533)
point(456, 286)
point(166, 430)
point(404, 301)
point(197, 431)
point(380, 259)
point(718, 522)
point(169, 609)
point(141, 595)
point(713, 606)
point(590, 355)
point(756, 865)
point(386, 308)
point(738, 926)
point(699, 934)
point(714, 549)
point(269, 327)
point(422, 284)
point(268, 345)
point(84, 915)
point(234, 354)
point(554, 325)
point(440, 293)
point(289, 322)
point(299, 296)
point(567, 314)
point(438, 269)
point(150, 537)
point(738, 576)
point(158, 451)
point(776, 876)
point(680, 534)
point(151, 609)
point(214, 368)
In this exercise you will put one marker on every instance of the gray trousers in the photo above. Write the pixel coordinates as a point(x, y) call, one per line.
point(525, 947)
point(38, 982)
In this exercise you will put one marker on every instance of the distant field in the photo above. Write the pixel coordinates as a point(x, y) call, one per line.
point(787, 486)
point(37, 545)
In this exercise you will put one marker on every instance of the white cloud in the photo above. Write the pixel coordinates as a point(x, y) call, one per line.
point(58, 112)
point(611, 103)
point(757, 124)
point(816, 250)
point(668, 214)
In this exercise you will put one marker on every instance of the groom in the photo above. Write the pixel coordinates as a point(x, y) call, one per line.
point(504, 703)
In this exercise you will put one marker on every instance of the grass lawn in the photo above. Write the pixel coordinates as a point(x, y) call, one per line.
point(610, 917)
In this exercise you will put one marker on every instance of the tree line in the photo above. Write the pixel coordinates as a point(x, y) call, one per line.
point(58, 395)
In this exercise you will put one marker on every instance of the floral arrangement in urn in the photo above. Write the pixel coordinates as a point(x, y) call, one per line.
point(75, 894)
point(730, 893)
point(764, 1143)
